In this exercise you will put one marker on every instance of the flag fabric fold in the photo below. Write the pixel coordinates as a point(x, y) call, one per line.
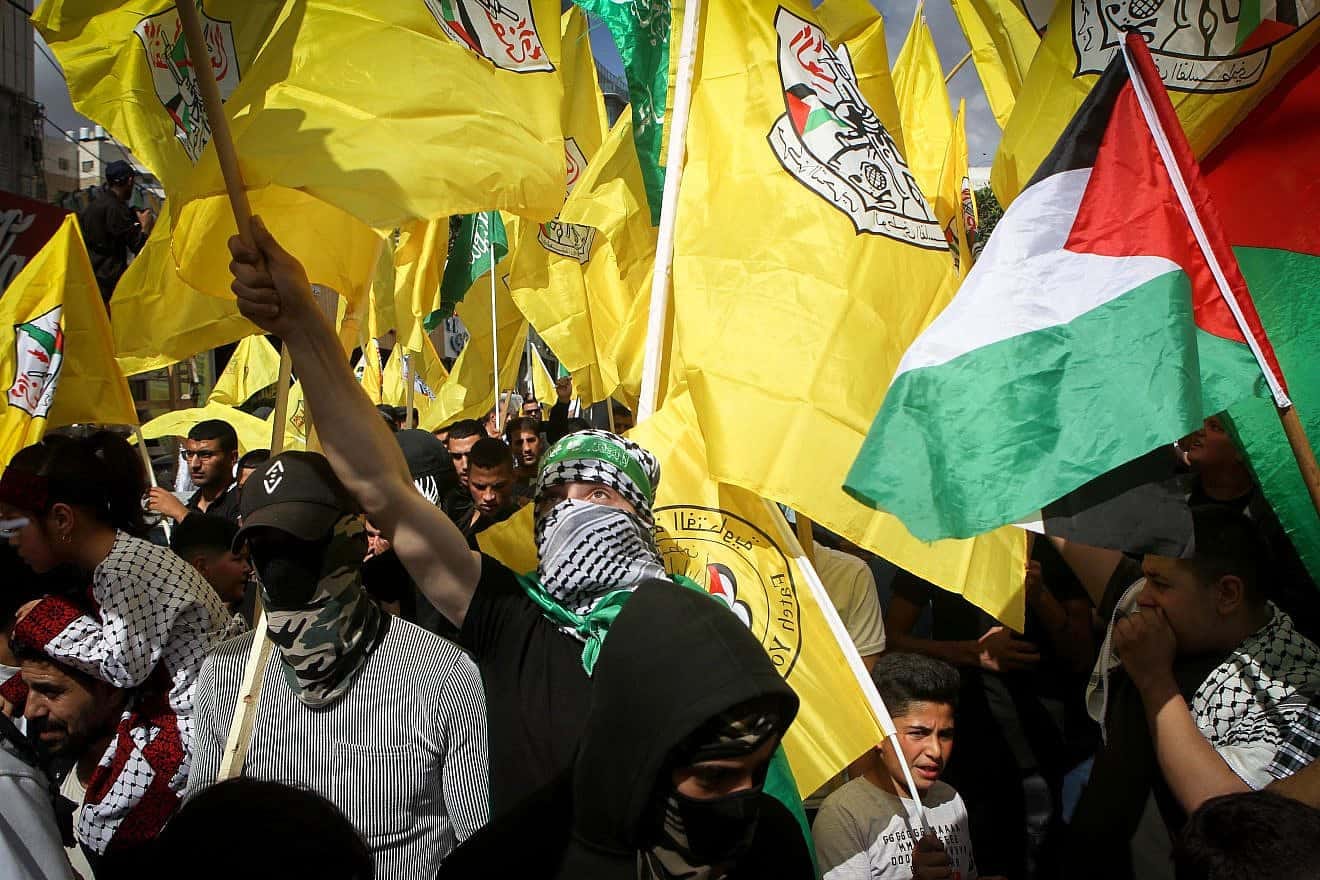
point(1084, 337)
point(781, 332)
point(1003, 42)
point(254, 365)
point(923, 104)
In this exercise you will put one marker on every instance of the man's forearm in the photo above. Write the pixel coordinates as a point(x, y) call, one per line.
point(1193, 769)
point(360, 447)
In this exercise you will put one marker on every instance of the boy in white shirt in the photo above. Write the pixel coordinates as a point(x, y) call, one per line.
point(867, 829)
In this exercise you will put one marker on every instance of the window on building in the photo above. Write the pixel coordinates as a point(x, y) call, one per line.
point(87, 166)
point(64, 164)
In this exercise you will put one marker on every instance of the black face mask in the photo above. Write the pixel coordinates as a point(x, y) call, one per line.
point(715, 831)
point(289, 570)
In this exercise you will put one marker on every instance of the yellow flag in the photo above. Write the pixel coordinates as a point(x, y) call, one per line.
point(787, 330)
point(403, 111)
point(158, 319)
point(543, 384)
point(561, 275)
point(55, 355)
point(1003, 43)
point(723, 538)
point(955, 187)
point(128, 68)
point(923, 104)
point(1216, 69)
point(469, 392)
point(369, 372)
point(610, 198)
point(419, 263)
point(428, 375)
point(254, 365)
point(295, 420)
point(860, 28)
point(253, 433)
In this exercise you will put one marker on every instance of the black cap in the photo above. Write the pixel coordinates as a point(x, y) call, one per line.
point(294, 492)
point(118, 171)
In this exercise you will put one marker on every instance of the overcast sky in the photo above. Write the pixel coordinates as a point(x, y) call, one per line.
point(982, 131)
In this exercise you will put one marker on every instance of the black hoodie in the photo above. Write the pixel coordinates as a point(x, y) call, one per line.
point(673, 659)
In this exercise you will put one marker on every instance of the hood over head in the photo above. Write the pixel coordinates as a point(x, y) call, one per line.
point(674, 659)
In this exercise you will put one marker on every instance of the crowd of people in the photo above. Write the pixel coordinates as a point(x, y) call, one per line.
point(428, 712)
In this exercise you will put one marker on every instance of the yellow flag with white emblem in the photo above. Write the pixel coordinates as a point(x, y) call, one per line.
point(1216, 66)
point(790, 321)
point(396, 112)
point(56, 362)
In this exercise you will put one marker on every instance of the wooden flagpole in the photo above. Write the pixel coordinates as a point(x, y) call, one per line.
point(151, 474)
point(840, 632)
point(240, 730)
point(664, 249)
point(957, 67)
point(1301, 447)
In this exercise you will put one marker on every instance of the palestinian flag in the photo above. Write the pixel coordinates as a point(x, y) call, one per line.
point(1265, 180)
point(1092, 330)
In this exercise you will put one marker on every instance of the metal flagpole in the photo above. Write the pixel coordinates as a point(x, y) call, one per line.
point(664, 250)
point(494, 337)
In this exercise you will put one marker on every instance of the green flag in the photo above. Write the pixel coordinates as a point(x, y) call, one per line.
point(641, 31)
point(470, 249)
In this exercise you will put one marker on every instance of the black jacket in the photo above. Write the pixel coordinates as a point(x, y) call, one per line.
point(110, 229)
point(672, 660)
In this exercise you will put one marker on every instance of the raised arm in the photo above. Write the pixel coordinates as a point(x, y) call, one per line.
point(273, 293)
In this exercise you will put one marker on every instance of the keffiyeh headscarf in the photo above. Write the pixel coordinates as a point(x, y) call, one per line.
point(324, 635)
point(587, 551)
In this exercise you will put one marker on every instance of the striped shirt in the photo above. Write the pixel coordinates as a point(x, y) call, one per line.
point(404, 753)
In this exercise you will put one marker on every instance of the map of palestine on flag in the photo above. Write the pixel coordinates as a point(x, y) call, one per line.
point(723, 538)
point(789, 321)
point(55, 358)
point(1216, 66)
point(1086, 335)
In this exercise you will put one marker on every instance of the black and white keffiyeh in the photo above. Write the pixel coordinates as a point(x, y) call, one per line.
point(588, 550)
point(1254, 695)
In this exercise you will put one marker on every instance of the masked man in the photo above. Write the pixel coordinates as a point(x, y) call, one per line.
point(381, 717)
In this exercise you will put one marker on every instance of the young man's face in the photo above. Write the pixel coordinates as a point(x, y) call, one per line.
point(725, 776)
point(66, 711)
point(491, 488)
point(1189, 605)
point(1210, 446)
point(925, 736)
point(209, 466)
point(596, 493)
point(227, 573)
point(527, 448)
point(458, 452)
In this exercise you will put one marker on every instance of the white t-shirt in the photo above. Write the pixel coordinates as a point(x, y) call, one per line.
point(864, 833)
point(851, 586)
